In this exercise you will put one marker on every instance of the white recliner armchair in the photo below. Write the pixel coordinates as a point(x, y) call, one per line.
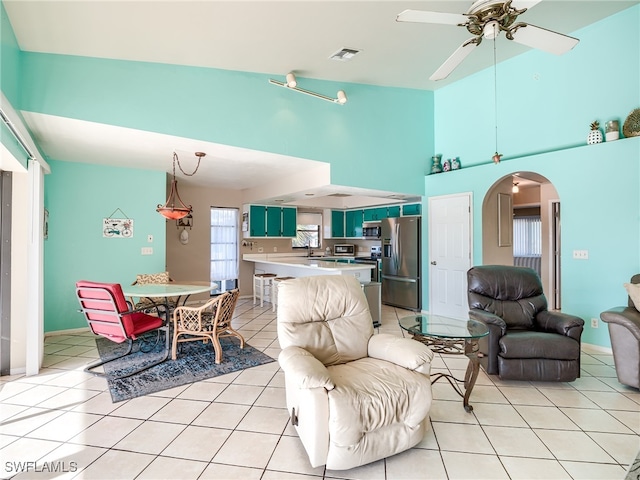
point(354, 397)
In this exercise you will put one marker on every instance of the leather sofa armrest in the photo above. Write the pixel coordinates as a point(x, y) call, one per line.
point(562, 323)
point(489, 319)
point(628, 317)
point(404, 352)
point(303, 369)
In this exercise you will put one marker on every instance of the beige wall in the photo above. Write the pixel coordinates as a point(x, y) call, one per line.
point(192, 261)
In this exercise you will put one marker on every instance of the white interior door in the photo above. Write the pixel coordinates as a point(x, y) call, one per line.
point(449, 254)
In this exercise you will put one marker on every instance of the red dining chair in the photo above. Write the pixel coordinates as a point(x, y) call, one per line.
point(110, 316)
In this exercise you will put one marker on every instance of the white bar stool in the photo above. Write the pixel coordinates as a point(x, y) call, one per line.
point(276, 281)
point(262, 286)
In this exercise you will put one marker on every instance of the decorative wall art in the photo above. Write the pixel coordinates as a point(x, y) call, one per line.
point(117, 227)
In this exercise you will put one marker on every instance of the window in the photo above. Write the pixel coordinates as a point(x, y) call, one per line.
point(224, 248)
point(308, 230)
point(527, 236)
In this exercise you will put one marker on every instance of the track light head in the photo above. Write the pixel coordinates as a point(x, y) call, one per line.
point(291, 80)
point(342, 97)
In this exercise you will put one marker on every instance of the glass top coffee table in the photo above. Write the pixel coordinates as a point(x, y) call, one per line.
point(453, 336)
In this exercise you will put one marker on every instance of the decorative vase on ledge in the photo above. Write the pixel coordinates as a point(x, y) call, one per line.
point(436, 166)
point(595, 135)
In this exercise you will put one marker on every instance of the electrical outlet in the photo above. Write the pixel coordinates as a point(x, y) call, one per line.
point(581, 254)
point(594, 323)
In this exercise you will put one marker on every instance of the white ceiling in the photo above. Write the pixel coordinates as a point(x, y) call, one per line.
point(272, 37)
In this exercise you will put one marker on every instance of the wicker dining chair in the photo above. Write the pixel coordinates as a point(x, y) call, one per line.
point(207, 322)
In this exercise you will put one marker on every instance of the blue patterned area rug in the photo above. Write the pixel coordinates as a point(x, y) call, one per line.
point(196, 361)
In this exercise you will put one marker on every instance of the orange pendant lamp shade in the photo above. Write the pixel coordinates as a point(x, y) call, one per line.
point(174, 208)
point(172, 211)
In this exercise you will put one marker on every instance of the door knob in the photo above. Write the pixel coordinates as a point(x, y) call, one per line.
point(433, 263)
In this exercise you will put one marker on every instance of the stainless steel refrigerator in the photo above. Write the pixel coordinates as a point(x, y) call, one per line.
point(401, 284)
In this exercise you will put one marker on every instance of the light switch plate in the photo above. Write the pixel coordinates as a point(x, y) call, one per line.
point(147, 251)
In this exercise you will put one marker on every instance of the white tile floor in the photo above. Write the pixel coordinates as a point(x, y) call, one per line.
point(236, 426)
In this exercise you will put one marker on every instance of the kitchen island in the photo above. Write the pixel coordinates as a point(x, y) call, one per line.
point(298, 266)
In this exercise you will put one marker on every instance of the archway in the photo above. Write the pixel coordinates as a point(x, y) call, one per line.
point(536, 198)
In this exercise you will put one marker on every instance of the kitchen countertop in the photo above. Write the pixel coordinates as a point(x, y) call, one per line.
point(319, 263)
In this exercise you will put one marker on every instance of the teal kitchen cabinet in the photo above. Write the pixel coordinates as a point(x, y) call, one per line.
point(289, 222)
point(269, 221)
point(337, 224)
point(353, 223)
point(412, 209)
point(374, 214)
point(274, 221)
point(393, 212)
point(257, 221)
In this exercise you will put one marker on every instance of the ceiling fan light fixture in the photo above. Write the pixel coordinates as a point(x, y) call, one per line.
point(491, 30)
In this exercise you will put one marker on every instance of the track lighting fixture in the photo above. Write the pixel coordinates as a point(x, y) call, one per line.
point(292, 84)
point(291, 80)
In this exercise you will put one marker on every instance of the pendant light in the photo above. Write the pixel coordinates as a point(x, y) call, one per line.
point(496, 156)
point(174, 208)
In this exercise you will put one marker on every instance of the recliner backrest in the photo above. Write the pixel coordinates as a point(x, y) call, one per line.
point(512, 293)
point(327, 315)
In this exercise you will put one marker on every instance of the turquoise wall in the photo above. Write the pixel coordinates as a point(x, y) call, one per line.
point(377, 125)
point(78, 196)
point(9, 85)
point(545, 102)
point(9, 58)
point(543, 129)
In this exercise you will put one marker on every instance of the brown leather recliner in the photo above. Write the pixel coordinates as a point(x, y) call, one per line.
point(624, 331)
point(526, 341)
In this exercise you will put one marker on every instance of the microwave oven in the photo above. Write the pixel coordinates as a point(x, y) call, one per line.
point(371, 231)
point(344, 249)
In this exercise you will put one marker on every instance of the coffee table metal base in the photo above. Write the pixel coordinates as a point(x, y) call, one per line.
point(467, 347)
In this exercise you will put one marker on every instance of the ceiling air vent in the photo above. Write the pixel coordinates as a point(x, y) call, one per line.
point(344, 54)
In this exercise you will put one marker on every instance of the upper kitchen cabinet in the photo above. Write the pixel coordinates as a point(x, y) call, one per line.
point(289, 221)
point(268, 221)
point(374, 214)
point(353, 223)
point(333, 223)
point(412, 209)
point(393, 212)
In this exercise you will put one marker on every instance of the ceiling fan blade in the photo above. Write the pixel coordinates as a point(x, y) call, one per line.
point(455, 59)
point(543, 39)
point(520, 4)
point(419, 16)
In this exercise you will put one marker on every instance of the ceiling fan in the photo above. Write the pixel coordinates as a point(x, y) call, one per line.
point(486, 19)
